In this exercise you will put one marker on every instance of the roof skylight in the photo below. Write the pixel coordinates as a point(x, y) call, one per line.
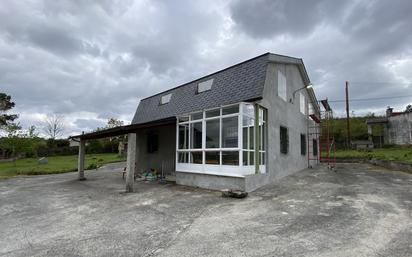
point(165, 99)
point(204, 86)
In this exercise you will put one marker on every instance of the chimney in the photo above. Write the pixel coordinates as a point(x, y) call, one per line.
point(389, 111)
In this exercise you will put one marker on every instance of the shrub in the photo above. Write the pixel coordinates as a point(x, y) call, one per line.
point(92, 166)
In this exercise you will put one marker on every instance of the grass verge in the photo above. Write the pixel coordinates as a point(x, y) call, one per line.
point(56, 164)
point(397, 154)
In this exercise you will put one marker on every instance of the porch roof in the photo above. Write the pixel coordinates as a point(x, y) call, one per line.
point(122, 130)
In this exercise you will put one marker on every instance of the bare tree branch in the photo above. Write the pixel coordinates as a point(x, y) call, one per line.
point(54, 126)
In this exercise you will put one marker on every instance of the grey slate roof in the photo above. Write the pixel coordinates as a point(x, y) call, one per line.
point(241, 82)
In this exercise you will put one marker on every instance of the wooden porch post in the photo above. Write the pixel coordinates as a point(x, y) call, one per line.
point(80, 164)
point(131, 161)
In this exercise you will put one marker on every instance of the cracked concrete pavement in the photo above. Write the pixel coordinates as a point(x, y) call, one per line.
point(360, 210)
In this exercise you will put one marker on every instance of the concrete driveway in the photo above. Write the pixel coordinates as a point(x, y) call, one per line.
point(360, 210)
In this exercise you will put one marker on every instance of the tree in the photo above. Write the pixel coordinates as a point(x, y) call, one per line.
point(54, 126)
point(113, 122)
point(5, 105)
point(114, 141)
point(408, 108)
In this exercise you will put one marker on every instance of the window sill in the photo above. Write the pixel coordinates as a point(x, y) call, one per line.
point(216, 170)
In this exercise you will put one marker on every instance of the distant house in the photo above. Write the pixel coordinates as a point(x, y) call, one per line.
point(361, 144)
point(397, 127)
point(237, 128)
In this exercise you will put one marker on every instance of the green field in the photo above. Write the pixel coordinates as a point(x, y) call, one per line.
point(57, 164)
point(398, 154)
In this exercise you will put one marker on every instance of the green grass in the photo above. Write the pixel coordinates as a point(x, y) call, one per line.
point(57, 164)
point(398, 154)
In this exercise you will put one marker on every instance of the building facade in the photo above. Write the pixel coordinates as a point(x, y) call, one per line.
point(238, 128)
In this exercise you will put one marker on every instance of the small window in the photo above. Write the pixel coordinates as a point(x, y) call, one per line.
point(212, 113)
point(196, 116)
point(196, 135)
point(311, 110)
point(230, 109)
point(152, 142)
point(196, 157)
point(284, 140)
point(183, 157)
point(302, 144)
point(302, 103)
point(165, 99)
point(229, 132)
point(183, 136)
point(315, 147)
point(204, 86)
point(212, 158)
point(230, 158)
point(281, 85)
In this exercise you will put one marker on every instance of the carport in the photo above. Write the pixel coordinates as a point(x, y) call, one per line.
point(132, 146)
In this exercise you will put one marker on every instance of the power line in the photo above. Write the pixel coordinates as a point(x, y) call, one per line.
point(370, 99)
point(384, 83)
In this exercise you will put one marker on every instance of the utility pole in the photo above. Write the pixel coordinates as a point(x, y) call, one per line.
point(347, 115)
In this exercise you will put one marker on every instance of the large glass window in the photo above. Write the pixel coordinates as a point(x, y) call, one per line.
point(230, 132)
point(196, 157)
point(232, 135)
point(212, 133)
point(213, 113)
point(248, 126)
point(212, 157)
point(261, 146)
point(183, 157)
point(230, 109)
point(196, 135)
point(230, 158)
point(183, 136)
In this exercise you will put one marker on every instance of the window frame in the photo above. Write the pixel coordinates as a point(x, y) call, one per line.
point(315, 147)
point(284, 140)
point(302, 103)
point(165, 99)
point(303, 144)
point(185, 164)
point(282, 94)
point(206, 86)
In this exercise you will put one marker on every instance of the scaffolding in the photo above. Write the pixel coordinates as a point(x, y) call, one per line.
point(321, 134)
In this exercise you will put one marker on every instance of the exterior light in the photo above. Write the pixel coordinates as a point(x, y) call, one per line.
point(309, 86)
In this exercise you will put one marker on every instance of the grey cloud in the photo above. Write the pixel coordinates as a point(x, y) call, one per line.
point(345, 40)
point(97, 59)
point(54, 39)
point(89, 124)
point(267, 18)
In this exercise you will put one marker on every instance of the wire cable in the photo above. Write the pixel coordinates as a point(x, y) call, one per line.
point(370, 99)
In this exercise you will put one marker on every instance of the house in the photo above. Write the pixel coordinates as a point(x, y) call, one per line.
point(396, 127)
point(238, 128)
point(361, 144)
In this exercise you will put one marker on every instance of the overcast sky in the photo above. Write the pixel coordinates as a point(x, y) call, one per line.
point(92, 61)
